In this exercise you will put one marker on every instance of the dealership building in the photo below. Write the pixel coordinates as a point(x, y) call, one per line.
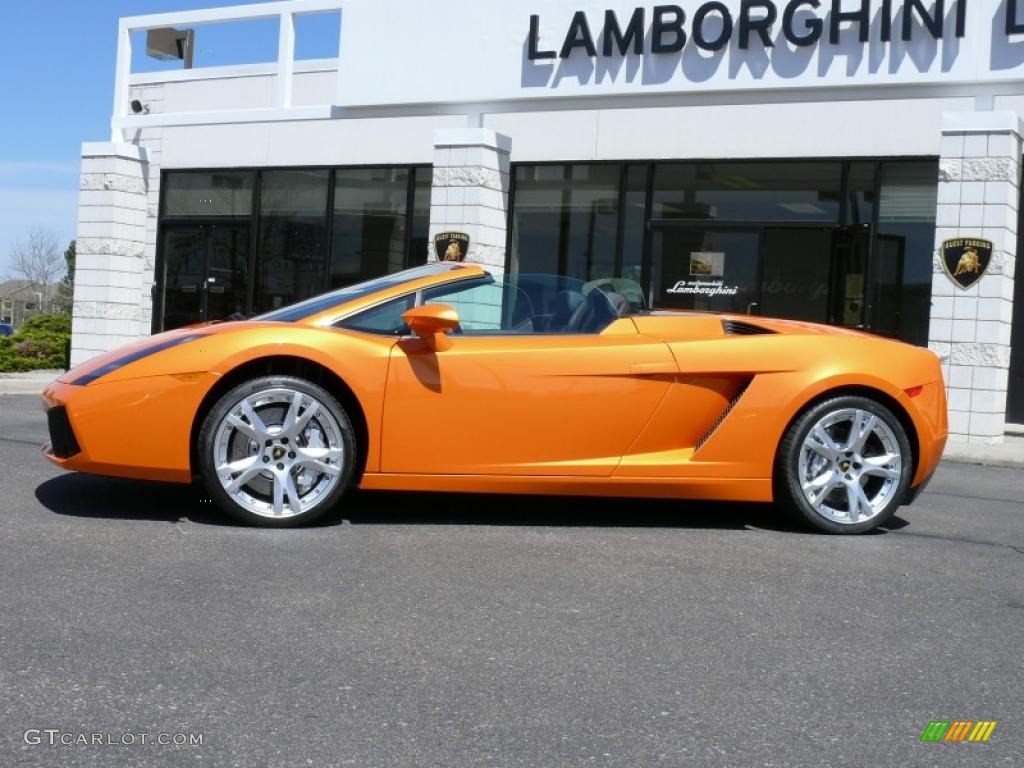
point(848, 162)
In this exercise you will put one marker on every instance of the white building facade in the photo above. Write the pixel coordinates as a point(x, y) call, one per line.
point(825, 161)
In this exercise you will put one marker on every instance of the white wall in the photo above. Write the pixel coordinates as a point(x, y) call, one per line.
point(382, 141)
point(808, 129)
point(811, 127)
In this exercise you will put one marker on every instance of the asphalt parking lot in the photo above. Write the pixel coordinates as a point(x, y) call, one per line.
point(436, 630)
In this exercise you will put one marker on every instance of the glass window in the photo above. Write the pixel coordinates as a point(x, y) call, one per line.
point(634, 222)
point(904, 248)
point(860, 194)
point(384, 319)
point(705, 269)
point(750, 192)
point(292, 256)
point(419, 242)
point(566, 220)
point(369, 235)
point(534, 304)
point(796, 273)
point(555, 298)
point(481, 304)
point(200, 194)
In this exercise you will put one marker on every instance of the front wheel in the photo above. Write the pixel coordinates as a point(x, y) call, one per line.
point(277, 451)
point(844, 466)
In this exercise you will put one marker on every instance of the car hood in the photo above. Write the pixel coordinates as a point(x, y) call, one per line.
point(108, 362)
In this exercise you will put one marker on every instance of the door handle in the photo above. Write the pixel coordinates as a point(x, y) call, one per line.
point(652, 369)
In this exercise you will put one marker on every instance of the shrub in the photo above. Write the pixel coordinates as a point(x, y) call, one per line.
point(41, 325)
point(40, 343)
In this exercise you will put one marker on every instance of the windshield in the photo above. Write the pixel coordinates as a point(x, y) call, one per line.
point(554, 293)
point(511, 304)
point(317, 304)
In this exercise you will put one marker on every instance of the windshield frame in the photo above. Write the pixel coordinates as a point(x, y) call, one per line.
point(325, 302)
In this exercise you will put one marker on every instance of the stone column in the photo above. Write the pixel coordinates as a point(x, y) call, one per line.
point(979, 196)
point(110, 246)
point(151, 140)
point(470, 192)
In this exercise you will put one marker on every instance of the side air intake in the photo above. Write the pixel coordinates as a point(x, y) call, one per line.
point(722, 417)
point(740, 328)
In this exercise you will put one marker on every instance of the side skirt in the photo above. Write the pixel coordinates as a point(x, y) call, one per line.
point(694, 488)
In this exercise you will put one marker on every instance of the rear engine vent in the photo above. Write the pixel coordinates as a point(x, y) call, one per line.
point(740, 328)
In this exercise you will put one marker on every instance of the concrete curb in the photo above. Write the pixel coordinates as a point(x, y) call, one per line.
point(21, 388)
point(1009, 453)
point(30, 383)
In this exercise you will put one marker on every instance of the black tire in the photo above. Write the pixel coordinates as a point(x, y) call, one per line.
point(331, 420)
point(847, 470)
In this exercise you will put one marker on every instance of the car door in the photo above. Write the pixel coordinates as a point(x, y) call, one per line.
point(505, 399)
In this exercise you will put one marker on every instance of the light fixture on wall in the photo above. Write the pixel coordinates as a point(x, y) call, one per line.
point(138, 107)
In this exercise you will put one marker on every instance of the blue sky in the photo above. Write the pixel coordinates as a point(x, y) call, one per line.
point(57, 87)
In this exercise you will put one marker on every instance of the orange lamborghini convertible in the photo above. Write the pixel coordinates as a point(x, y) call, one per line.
point(446, 378)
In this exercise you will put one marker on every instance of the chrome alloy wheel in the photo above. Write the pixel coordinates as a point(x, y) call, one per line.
point(850, 466)
point(278, 453)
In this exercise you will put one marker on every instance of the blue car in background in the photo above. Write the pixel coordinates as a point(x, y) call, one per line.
point(6, 329)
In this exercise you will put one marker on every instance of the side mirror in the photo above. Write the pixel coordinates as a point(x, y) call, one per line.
point(433, 323)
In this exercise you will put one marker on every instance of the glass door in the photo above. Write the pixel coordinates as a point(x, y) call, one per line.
point(815, 274)
point(227, 271)
point(850, 253)
point(1015, 389)
point(696, 267)
point(205, 273)
point(886, 301)
point(796, 275)
point(184, 257)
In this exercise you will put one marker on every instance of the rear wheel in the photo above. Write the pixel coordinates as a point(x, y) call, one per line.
point(844, 466)
point(277, 451)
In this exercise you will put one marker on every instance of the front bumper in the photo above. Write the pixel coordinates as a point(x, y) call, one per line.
point(63, 443)
point(135, 428)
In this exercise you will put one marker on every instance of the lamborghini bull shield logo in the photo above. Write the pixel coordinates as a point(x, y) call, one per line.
point(966, 259)
point(451, 246)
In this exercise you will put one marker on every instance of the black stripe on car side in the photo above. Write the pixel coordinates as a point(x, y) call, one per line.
point(121, 362)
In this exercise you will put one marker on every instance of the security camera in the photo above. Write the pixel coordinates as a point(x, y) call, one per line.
point(139, 108)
